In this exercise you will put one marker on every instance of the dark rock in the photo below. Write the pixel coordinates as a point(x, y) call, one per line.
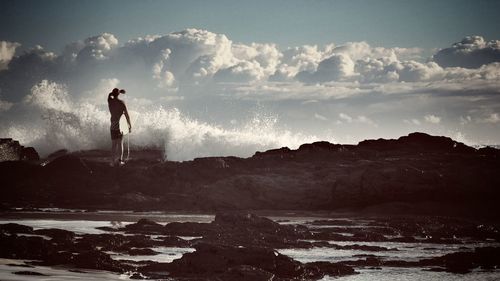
point(366, 248)
point(30, 154)
point(233, 228)
point(188, 228)
point(98, 260)
point(331, 269)
point(332, 222)
point(15, 228)
point(417, 142)
point(20, 265)
point(246, 273)
point(68, 165)
point(377, 176)
point(33, 273)
point(173, 241)
point(142, 252)
point(107, 241)
point(489, 151)
point(216, 259)
point(279, 153)
point(56, 234)
point(145, 226)
point(11, 150)
point(22, 247)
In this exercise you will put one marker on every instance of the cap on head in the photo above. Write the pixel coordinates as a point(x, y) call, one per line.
point(115, 91)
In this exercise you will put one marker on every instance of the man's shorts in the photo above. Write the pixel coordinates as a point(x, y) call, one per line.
point(116, 135)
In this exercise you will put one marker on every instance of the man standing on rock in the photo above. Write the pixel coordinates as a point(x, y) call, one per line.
point(117, 108)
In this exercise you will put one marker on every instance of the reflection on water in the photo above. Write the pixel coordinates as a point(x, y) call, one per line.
point(54, 274)
point(415, 274)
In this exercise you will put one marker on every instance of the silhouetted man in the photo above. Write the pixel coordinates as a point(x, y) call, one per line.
point(117, 108)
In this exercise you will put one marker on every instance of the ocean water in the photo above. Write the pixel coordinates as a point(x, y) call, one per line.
point(80, 222)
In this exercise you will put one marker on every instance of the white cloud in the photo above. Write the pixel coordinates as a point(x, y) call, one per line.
point(345, 117)
point(5, 105)
point(320, 117)
point(471, 52)
point(412, 121)
point(493, 118)
point(7, 51)
point(433, 119)
point(464, 120)
point(338, 67)
point(210, 77)
point(359, 119)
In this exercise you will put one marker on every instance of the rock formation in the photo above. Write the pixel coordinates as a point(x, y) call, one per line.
point(11, 150)
point(416, 173)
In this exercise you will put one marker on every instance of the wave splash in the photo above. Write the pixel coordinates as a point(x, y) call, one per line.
point(49, 119)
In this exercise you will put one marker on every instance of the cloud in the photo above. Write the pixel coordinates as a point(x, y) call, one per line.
point(7, 51)
point(471, 52)
point(345, 117)
point(5, 105)
point(213, 82)
point(492, 118)
point(320, 117)
point(433, 119)
point(359, 119)
point(412, 121)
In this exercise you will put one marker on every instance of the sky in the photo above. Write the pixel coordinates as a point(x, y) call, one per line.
point(208, 78)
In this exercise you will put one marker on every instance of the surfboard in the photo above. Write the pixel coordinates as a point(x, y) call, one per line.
point(123, 125)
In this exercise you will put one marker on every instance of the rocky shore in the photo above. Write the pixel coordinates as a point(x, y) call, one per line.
point(243, 246)
point(417, 173)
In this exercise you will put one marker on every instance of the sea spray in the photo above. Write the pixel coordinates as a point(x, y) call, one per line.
point(53, 119)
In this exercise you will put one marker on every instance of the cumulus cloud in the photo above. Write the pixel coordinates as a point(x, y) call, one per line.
point(335, 68)
point(471, 52)
point(213, 79)
point(433, 119)
point(7, 51)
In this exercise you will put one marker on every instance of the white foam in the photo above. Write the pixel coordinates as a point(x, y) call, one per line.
point(81, 125)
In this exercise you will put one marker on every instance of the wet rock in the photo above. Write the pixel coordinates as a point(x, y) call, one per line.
point(22, 247)
point(67, 165)
point(332, 222)
point(188, 228)
point(15, 228)
point(246, 273)
point(366, 248)
point(107, 241)
point(331, 269)
point(145, 226)
point(30, 154)
point(11, 150)
point(142, 252)
point(32, 273)
point(98, 260)
point(56, 234)
point(251, 230)
point(20, 265)
point(174, 241)
point(224, 262)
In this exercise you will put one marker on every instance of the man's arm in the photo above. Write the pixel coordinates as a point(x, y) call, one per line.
point(125, 111)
